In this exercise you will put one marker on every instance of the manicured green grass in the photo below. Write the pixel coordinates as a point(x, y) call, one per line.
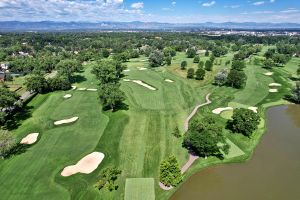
point(134, 140)
point(139, 188)
point(234, 151)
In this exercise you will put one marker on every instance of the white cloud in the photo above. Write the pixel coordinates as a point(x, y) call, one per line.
point(290, 10)
point(209, 4)
point(258, 3)
point(173, 3)
point(232, 6)
point(272, 1)
point(263, 12)
point(138, 5)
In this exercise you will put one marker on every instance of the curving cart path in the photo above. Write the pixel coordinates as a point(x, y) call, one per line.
point(192, 158)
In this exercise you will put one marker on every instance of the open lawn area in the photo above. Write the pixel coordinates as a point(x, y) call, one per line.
point(139, 188)
point(135, 140)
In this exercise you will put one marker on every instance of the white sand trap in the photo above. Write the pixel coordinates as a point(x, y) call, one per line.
point(67, 96)
point(66, 121)
point(81, 89)
point(74, 87)
point(126, 80)
point(127, 70)
point(93, 90)
point(254, 109)
point(168, 80)
point(273, 90)
point(219, 110)
point(144, 84)
point(274, 85)
point(30, 138)
point(86, 165)
point(142, 68)
point(268, 73)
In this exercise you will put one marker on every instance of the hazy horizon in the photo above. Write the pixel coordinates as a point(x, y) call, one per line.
point(165, 11)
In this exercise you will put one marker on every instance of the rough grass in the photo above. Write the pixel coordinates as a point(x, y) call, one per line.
point(134, 140)
point(139, 188)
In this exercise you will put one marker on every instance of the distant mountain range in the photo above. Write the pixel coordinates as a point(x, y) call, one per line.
point(137, 25)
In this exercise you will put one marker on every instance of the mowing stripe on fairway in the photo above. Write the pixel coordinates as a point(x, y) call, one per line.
point(139, 188)
point(234, 151)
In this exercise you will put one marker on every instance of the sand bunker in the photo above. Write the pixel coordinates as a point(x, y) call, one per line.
point(81, 89)
point(127, 70)
point(66, 121)
point(142, 68)
point(86, 165)
point(144, 84)
point(268, 73)
point(140, 83)
point(93, 90)
point(74, 87)
point(274, 85)
point(67, 96)
point(254, 109)
point(273, 90)
point(30, 138)
point(219, 110)
point(168, 80)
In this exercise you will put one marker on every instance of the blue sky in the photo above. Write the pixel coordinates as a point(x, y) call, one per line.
point(175, 11)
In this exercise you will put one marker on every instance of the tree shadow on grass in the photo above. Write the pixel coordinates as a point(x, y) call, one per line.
point(119, 106)
point(78, 78)
point(16, 150)
point(15, 120)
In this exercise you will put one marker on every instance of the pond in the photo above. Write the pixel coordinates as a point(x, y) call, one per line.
point(273, 172)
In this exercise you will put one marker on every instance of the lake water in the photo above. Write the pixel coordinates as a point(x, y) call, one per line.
point(273, 173)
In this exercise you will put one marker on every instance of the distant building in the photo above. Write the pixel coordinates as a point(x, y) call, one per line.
point(3, 67)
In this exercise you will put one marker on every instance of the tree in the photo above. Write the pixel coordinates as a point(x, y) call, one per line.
point(236, 79)
point(169, 51)
point(156, 59)
point(59, 83)
point(7, 98)
point(295, 94)
point(68, 66)
point(200, 73)
point(208, 65)
point(244, 121)
point(168, 60)
point(7, 142)
point(111, 95)
point(190, 73)
point(201, 64)
point(108, 71)
point(221, 77)
point(280, 59)
point(219, 51)
point(298, 71)
point(196, 59)
point(268, 63)
point(238, 65)
point(121, 57)
point(105, 53)
point(107, 179)
point(170, 174)
point(36, 83)
point(191, 52)
point(183, 65)
point(204, 137)
point(206, 53)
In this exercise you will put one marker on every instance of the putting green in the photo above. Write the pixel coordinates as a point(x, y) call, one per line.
point(139, 188)
point(234, 151)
